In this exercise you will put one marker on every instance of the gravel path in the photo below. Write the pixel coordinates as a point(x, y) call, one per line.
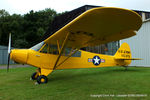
point(13, 66)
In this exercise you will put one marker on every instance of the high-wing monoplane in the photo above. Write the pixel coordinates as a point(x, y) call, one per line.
point(94, 27)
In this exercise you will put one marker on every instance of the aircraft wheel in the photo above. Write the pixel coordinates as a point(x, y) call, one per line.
point(34, 76)
point(42, 79)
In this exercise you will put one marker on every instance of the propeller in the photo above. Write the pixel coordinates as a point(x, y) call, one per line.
point(9, 50)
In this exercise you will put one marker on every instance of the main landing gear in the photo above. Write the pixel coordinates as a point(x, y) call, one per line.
point(40, 79)
point(41, 75)
point(34, 76)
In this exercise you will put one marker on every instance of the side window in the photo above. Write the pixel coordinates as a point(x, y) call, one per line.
point(44, 49)
point(68, 51)
point(77, 54)
point(51, 49)
point(38, 46)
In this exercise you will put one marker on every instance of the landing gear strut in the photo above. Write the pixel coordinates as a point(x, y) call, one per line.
point(41, 79)
point(40, 75)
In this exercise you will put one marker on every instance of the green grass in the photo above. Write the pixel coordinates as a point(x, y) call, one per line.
point(76, 84)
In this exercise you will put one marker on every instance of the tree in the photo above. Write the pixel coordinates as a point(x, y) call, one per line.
point(10, 24)
point(36, 24)
point(27, 30)
point(3, 13)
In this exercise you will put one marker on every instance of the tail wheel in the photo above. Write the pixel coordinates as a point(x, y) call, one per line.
point(34, 76)
point(42, 79)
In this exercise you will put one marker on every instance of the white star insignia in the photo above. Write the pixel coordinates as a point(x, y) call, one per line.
point(96, 60)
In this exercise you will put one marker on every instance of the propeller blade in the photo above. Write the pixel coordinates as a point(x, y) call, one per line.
point(9, 44)
point(8, 62)
point(9, 50)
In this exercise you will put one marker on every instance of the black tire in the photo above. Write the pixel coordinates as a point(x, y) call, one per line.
point(42, 79)
point(34, 76)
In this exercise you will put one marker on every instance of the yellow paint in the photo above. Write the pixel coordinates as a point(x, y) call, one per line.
point(42, 80)
point(94, 27)
point(46, 61)
point(19, 55)
point(45, 71)
point(98, 26)
point(36, 75)
point(124, 52)
point(123, 55)
point(58, 46)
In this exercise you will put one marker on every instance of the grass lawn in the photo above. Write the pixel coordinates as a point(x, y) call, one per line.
point(77, 84)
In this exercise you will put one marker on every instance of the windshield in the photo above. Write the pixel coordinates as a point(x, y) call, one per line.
point(38, 46)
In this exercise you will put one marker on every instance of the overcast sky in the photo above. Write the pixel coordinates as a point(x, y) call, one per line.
point(24, 6)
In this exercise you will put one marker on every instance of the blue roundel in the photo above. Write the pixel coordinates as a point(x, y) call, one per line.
point(96, 60)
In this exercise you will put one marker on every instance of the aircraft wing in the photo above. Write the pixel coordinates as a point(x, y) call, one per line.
point(98, 26)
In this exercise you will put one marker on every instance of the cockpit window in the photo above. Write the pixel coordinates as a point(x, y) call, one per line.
point(38, 46)
point(52, 49)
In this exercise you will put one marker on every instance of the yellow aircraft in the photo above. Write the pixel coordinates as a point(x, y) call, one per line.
point(94, 27)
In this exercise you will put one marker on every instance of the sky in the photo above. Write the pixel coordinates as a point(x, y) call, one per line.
point(24, 6)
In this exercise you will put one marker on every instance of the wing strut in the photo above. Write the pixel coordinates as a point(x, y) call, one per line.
point(61, 50)
point(72, 52)
point(58, 46)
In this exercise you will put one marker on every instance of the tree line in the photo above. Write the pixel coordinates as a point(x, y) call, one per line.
point(28, 29)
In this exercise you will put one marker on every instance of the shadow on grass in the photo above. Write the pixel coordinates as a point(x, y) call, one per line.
point(130, 69)
point(66, 75)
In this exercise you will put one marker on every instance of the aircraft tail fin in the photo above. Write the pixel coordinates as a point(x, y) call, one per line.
point(124, 53)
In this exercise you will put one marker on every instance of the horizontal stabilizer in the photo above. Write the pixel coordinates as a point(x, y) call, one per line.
point(128, 58)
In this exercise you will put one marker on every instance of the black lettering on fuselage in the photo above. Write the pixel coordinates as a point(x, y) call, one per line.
point(124, 51)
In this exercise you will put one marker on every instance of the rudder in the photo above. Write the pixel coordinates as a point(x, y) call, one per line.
point(123, 55)
point(123, 52)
